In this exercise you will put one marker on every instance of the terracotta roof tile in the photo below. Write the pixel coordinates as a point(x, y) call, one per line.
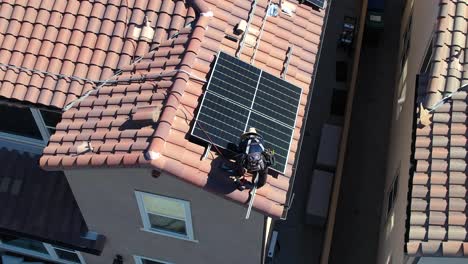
point(72, 38)
point(143, 116)
point(441, 147)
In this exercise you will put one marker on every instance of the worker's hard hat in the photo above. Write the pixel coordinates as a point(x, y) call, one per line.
point(250, 131)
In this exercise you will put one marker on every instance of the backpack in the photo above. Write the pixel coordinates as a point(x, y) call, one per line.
point(254, 162)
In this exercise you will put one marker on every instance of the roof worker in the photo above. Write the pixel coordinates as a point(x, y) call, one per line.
point(253, 158)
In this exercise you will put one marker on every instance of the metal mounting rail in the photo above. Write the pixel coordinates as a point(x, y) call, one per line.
point(244, 36)
point(252, 194)
point(207, 150)
point(260, 34)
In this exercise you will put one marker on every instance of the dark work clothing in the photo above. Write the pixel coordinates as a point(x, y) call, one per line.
point(252, 158)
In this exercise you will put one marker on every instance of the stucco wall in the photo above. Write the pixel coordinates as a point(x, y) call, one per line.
point(393, 228)
point(107, 200)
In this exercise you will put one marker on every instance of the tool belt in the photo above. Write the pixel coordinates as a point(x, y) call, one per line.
point(269, 157)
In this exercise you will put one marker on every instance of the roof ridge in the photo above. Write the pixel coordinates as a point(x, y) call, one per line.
point(156, 148)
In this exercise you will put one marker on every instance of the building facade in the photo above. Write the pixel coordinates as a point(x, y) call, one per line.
point(421, 222)
point(111, 90)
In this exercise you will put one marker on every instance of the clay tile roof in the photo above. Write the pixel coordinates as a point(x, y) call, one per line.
point(26, 190)
point(143, 116)
point(52, 52)
point(438, 210)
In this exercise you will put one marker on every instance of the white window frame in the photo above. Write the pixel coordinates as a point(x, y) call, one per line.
point(40, 124)
point(23, 143)
point(139, 260)
point(146, 222)
point(51, 256)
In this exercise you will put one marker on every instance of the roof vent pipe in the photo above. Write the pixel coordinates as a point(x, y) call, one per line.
point(147, 33)
point(84, 147)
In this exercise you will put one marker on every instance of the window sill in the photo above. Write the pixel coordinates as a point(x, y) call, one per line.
point(168, 234)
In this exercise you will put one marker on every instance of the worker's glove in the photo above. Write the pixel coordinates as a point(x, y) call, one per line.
point(269, 157)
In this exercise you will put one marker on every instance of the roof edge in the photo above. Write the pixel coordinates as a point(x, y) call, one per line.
point(157, 146)
point(185, 173)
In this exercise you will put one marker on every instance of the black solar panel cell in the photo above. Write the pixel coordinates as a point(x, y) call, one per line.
point(277, 137)
point(222, 120)
point(234, 79)
point(317, 3)
point(277, 99)
point(240, 96)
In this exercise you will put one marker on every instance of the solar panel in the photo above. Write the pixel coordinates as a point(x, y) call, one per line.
point(276, 136)
point(220, 121)
point(317, 3)
point(234, 79)
point(277, 98)
point(240, 96)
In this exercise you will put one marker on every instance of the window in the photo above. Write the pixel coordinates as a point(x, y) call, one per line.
point(392, 194)
point(66, 254)
point(26, 129)
point(18, 121)
point(389, 259)
point(41, 250)
point(27, 244)
point(407, 40)
point(427, 58)
point(405, 47)
point(166, 216)
point(142, 260)
point(51, 119)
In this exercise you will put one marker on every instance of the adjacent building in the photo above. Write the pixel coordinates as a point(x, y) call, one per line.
point(424, 214)
point(103, 95)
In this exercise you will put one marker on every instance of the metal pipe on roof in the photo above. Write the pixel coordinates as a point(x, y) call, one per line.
point(259, 38)
point(244, 36)
point(64, 76)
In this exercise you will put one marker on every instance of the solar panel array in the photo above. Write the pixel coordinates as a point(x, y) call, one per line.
point(240, 96)
point(318, 3)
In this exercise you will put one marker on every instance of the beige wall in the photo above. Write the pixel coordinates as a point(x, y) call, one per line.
point(107, 200)
point(393, 227)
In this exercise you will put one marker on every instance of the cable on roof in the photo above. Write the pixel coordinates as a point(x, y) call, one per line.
point(72, 103)
point(162, 74)
point(444, 100)
point(118, 72)
point(141, 78)
point(64, 76)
